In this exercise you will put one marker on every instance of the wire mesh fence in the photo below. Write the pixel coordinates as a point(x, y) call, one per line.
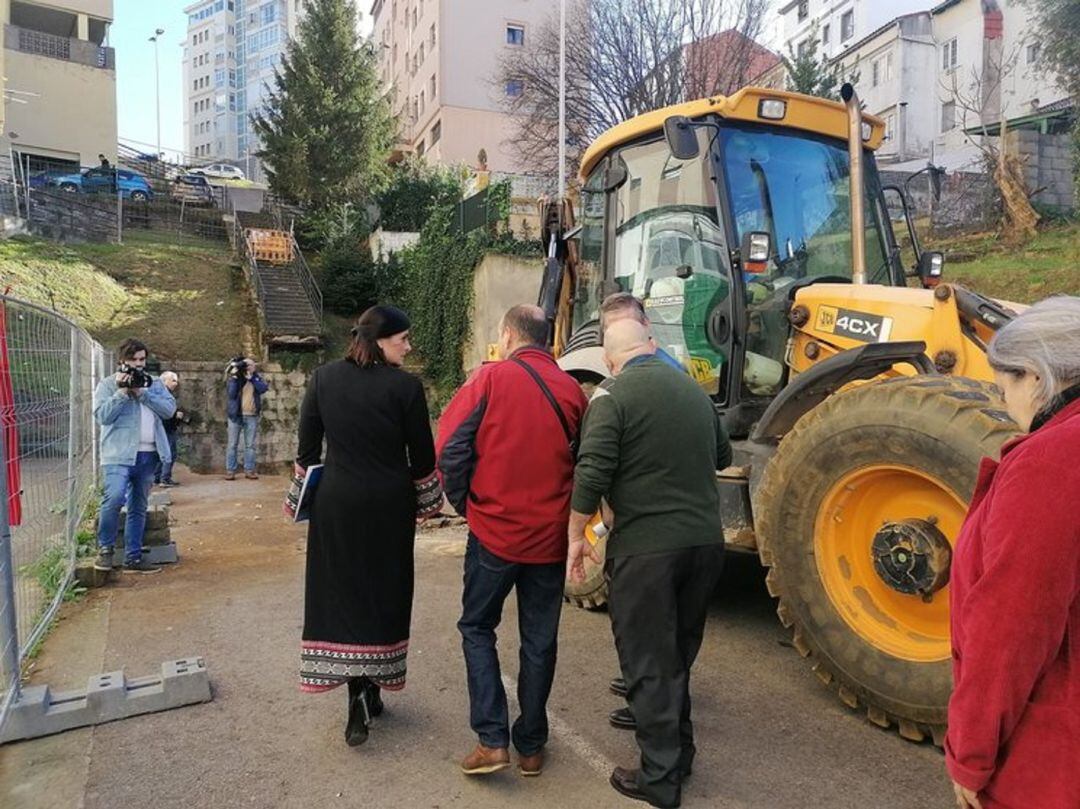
point(49, 368)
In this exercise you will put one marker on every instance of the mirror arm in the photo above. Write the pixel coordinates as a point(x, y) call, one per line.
point(915, 245)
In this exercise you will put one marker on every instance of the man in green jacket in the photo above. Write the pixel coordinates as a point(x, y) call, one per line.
point(651, 446)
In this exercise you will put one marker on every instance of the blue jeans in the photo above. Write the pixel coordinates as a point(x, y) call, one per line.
point(488, 581)
point(164, 470)
point(249, 427)
point(130, 485)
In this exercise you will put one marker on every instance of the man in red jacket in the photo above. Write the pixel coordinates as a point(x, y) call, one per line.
point(506, 458)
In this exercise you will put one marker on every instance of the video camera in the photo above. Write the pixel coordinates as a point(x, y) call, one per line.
point(237, 367)
point(137, 377)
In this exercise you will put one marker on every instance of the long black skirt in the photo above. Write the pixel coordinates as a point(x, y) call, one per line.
point(359, 584)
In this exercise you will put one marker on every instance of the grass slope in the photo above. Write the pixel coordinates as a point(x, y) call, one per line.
point(186, 302)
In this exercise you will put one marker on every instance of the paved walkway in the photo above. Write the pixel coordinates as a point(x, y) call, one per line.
point(769, 736)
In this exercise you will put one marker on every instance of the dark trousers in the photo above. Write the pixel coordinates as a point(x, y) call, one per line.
point(488, 581)
point(658, 603)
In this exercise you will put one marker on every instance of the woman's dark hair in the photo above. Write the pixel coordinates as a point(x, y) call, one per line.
point(376, 323)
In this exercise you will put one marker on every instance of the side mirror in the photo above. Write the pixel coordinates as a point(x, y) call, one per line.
point(681, 140)
point(931, 267)
point(755, 251)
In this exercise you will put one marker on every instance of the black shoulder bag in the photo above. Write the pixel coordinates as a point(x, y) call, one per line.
point(571, 439)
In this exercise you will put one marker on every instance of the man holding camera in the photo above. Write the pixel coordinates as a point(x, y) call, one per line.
point(129, 407)
point(244, 389)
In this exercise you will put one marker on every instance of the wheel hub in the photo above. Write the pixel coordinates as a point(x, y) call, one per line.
point(912, 557)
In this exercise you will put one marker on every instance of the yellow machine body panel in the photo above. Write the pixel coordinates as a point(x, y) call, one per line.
point(830, 318)
point(810, 114)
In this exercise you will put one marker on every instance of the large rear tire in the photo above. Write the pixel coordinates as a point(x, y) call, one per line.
point(847, 487)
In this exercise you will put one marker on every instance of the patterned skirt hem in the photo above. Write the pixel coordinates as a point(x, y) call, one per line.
point(325, 665)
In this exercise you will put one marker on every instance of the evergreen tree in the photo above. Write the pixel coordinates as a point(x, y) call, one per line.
point(811, 75)
point(325, 129)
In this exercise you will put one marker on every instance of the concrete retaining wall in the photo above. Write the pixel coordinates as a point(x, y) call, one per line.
point(499, 283)
point(1047, 161)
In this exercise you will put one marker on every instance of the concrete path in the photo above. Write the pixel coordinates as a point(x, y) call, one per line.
point(769, 735)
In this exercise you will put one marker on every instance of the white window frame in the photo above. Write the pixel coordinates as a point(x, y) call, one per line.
point(847, 15)
point(515, 26)
point(949, 55)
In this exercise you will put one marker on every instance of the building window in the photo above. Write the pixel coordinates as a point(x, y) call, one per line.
point(825, 31)
point(847, 26)
point(431, 87)
point(890, 126)
point(888, 67)
point(948, 116)
point(1033, 51)
point(422, 101)
point(515, 35)
point(804, 10)
point(268, 13)
point(948, 55)
point(876, 72)
point(420, 60)
point(436, 132)
point(802, 47)
point(514, 88)
point(432, 37)
point(420, 148)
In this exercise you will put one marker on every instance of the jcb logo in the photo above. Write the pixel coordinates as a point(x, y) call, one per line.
point(862, 326)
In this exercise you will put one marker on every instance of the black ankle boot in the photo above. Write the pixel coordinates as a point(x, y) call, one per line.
point(373, 697)
point(356, 729)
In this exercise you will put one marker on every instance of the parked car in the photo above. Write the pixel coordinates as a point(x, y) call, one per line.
point(222, 171)
point(131, 184)
point(40, 179)
point(193, 189)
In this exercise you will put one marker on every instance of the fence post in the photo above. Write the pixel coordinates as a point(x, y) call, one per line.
point(95, 370)
point(119, 215)
point(73, 424)
point(9, 626)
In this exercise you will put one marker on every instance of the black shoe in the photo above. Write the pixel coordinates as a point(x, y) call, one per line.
point(625, 783)
point(623, 719)
point(104, 561)
point(356, 729)
point(168, 484)
point(141, 566)
point(618, 687)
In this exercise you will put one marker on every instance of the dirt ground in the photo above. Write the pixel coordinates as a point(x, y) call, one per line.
point(769, 736)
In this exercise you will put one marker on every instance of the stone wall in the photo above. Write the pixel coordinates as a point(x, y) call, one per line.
point(969, 201)
point(1047, 161)
point(202, 396)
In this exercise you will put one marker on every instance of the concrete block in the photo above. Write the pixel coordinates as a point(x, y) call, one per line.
point(161, 554)
point(157, 517)
point(161, 497)
point(108, 697)
point(86, 575)
point(159, 536)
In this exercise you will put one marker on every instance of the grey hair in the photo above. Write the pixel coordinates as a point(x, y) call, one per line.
point(167, 376)
point(1045, 341)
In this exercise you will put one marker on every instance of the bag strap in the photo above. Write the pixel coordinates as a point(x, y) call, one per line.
point(549, 396)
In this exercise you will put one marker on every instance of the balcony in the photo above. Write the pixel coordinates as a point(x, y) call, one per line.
point(52, 46)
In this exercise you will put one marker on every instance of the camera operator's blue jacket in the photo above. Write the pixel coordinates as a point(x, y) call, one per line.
point(233, 388)
point(118, 414)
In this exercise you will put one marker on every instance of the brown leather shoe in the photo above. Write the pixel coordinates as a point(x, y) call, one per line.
point(230, 476)
point(531, 765)
point(485, 760)
point(251, 475)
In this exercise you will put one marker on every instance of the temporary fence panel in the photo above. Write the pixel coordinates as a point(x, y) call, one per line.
point(49, 368)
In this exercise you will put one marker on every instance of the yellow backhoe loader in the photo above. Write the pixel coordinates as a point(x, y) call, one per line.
point(755, 229)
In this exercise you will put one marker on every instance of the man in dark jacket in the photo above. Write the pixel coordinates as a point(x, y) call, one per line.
point(514, 420)
point(244, 389)
point(651, 444)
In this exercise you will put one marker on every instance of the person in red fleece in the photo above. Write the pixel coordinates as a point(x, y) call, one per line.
point(1014, 717)
point(506, 458)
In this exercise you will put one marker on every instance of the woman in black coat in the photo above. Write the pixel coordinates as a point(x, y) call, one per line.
point(378, 482)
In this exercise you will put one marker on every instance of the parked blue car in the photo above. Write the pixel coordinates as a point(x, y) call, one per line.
point(131, 184)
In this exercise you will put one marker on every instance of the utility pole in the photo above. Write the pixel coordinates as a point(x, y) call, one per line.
point(157, 89)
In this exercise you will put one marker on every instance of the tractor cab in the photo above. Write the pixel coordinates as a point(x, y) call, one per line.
point(714, 214)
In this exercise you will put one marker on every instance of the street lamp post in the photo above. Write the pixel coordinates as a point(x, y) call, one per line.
point(157, 89)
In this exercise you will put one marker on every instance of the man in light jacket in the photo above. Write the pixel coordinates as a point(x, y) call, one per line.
point(129, 406)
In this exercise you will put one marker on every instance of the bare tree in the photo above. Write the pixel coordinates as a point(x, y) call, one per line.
point(980, 110)
point(623, 58)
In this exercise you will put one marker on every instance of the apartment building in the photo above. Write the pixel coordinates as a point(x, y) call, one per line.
point(59, 81)
point(209, 81)
point(838, 24)
point(896, 65)
point(230, 53)
point(438, 60)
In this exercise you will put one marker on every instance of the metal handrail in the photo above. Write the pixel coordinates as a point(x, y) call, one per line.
point(307, 280)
